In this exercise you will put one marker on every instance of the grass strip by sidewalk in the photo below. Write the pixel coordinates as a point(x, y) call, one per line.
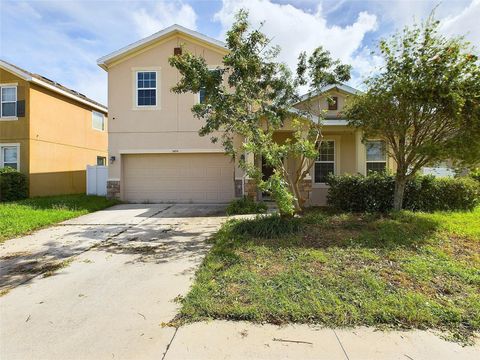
point(404, 270)
point(21, 217)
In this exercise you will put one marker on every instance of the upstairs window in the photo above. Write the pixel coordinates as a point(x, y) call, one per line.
point(8, 101)
point(376, 156)
point(325, 163)
point(9, 155)
point(98, 121)
point(146, 88)
point(202, 93)
point(333, 104)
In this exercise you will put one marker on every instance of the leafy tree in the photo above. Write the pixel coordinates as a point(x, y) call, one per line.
point(424, 101)
point(250, 97)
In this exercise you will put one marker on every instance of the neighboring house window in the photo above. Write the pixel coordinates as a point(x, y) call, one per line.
point(8, 101)
point(325, 163)
point(376, 156)
point(9, 155)
point(98, 121)
point(146, 88)
point(101, 160)
point(333, 104)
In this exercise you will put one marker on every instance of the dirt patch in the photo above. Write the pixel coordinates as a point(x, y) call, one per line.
point(464, 248)
point(324, 237)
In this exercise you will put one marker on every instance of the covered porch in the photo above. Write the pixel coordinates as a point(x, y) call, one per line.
point(341, 152)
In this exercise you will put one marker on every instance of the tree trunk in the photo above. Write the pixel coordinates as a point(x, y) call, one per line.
point(400, 184)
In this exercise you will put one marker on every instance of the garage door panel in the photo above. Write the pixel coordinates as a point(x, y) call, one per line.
point(178, 178)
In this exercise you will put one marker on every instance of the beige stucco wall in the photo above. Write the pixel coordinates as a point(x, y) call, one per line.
point(17, 131)
point(62, 143)
point(170, 127)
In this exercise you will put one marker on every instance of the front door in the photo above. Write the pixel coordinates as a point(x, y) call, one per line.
point(267, 171)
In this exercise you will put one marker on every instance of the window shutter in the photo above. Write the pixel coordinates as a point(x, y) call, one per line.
point(21, 108)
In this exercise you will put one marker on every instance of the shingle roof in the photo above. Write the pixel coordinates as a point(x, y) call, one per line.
point(51, 84)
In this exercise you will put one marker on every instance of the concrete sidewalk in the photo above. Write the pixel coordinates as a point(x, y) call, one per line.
point(241, 340)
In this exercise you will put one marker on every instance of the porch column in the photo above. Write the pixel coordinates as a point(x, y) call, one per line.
point(250, 188)
point(360, 153)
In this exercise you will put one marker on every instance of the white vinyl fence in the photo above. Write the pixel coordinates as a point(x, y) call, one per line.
point(97, 180)
point(438, 171)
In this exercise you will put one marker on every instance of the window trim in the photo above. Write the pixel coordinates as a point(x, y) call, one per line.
point(2, 145)
point(375, 161)
point(210, 68)
point(150, 88)
point(104, 158)
point(7, 86)
point(103, 121)
point(323, 184)
point(335, 104)
point(135, 71)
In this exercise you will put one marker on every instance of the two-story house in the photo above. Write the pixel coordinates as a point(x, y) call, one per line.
point(49, 132)
point(155, 150)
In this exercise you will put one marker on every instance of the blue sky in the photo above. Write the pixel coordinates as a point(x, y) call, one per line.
point(63, 39)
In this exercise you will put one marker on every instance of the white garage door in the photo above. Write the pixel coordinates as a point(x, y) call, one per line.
point(183, 178)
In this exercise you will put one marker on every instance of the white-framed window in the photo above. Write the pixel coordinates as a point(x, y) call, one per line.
point(98, 121)
point(376, 156)
point(8, 101)
point(325, 163)
point(10, 156)
point(202, 93)
point(146, 88)
point(101, 161)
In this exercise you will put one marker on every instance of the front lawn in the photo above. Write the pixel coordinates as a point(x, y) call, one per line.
point(402, 270)
point(21, 217)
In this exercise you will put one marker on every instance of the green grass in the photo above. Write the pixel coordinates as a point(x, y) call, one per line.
point(404, 270)
point(21, 217)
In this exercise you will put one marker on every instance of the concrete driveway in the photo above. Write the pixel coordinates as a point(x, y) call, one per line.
point(114, 275)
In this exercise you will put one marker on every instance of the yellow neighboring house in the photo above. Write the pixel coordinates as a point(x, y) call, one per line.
point(49, 132)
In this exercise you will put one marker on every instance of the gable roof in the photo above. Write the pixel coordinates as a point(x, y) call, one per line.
point(149, 40)
point(315, 118)
point(342, 87)
point(51, 85)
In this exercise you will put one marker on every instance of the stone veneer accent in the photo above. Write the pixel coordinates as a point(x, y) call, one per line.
point(251, 189)
point(113, 189)
point(306, 188)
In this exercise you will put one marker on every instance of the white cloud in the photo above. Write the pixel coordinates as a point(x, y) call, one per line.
point(163, 15)
point(465, 23)
point(62, 40)
point(296, 30)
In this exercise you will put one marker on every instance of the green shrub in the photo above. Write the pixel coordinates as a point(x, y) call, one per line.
point(475, 174)
point(13, 185)
point(267, 226)
point(374, 193)
point(246, 205)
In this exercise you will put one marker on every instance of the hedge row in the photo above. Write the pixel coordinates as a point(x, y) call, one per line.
point(13, 185)
point(374, 193)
